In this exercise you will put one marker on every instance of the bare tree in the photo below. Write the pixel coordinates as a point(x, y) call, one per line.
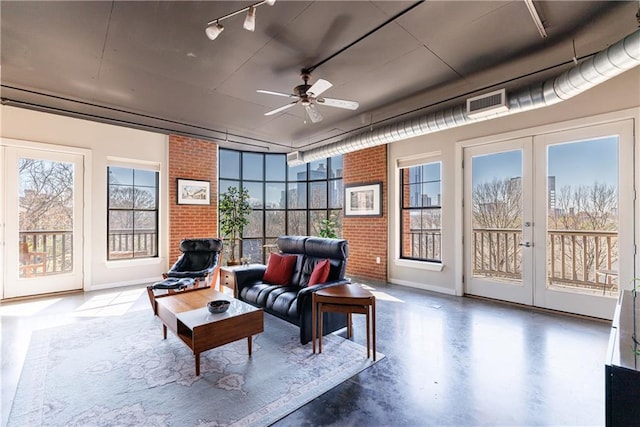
point(497, 204)
point(46, 201)
point(497, 214)
point(583, 209)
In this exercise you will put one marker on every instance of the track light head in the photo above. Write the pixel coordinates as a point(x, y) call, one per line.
point(250, 19)
point(214, 30)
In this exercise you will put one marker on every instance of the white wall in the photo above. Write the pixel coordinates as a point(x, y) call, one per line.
point(621, 93)
point(25, 127)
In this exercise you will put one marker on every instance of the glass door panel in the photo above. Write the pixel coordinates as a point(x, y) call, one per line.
point(582, 216)
point(497, 218)
point(584, 186)
point(44, 222)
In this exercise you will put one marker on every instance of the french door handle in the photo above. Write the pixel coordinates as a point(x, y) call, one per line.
point(526, 244)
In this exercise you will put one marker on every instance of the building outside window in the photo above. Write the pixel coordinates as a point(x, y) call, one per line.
point(285, 200)
point(132, 220)
point(421, 212)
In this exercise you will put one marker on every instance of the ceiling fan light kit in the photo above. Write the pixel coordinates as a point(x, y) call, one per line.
point(214, 28)
point(309, 97)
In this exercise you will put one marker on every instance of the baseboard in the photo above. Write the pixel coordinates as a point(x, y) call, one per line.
point(423, 286)
point(111, 285)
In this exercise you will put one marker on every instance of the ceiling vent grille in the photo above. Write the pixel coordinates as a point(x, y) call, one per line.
point(487, 104)
point(294, 158)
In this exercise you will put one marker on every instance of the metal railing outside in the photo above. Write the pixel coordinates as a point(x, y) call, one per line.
point(575, 258)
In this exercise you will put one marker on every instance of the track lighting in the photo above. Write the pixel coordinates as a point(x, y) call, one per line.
point(214, 28)
point(214, 31)
point(250, 20)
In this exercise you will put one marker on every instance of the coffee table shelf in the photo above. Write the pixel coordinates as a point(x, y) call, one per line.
point(188, 318)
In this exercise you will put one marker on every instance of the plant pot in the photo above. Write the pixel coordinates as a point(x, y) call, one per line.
point(233, 262)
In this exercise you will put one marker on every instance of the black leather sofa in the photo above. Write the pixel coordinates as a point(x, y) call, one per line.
point(293, 303)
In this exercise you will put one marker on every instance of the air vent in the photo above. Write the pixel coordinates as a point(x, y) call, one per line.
point(487, 104)
point(294, 158)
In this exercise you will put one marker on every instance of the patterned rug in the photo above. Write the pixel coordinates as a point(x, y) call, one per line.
point(119, 371)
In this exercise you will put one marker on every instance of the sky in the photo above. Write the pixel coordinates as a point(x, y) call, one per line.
point(573, 163)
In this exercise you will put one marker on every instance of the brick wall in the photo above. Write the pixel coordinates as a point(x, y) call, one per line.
point(191, 158)
point(367, 236)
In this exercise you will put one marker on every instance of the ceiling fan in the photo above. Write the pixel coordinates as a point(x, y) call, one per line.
point(309, 97)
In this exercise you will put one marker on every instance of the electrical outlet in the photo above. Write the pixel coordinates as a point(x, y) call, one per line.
point(377, 260)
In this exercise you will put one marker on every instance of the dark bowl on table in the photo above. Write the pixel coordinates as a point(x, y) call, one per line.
point(218, 306)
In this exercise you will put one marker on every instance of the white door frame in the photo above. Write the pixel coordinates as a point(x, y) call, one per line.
point(596, 306)
point(519, 292)
point(630, 113)
point(86, 210)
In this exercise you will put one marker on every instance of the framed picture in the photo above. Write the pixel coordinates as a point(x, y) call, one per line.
point(192, 192)
point(363, 199)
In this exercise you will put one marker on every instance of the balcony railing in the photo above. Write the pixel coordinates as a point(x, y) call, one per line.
point(45, 252)
point(582, 260)
point(424, 243)
point(49, 252)
point(124, 244)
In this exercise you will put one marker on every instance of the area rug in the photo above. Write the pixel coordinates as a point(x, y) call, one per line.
point(120, 372)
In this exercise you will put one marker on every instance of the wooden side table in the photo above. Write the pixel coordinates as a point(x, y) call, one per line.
point(228, 279)
point(347, 299)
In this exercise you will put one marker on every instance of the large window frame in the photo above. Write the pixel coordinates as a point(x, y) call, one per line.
point(308, 194)
point(140, 206)
point(421, 202)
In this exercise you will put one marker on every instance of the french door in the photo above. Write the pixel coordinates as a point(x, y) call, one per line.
point(43, 199)
point(549, 219)
point(499, 221)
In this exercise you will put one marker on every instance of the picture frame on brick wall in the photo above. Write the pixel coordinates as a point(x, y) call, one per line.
point(193, 192)
point(363, 199)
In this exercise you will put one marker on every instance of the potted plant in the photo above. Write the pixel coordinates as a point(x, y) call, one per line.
point(328, 227)
point(234, 212)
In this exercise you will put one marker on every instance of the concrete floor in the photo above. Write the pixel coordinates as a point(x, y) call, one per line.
point(449, 360)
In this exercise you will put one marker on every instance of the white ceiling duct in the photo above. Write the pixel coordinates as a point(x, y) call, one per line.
point(606, 64)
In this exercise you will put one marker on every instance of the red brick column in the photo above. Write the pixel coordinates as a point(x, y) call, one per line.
point(367, 236)
point(191, 158)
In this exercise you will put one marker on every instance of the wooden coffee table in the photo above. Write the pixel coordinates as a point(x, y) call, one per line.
point(187, 316)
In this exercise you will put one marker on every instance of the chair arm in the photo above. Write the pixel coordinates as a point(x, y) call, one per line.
point(246, 276)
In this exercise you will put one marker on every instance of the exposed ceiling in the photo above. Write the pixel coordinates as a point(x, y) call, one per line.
point(149, 64)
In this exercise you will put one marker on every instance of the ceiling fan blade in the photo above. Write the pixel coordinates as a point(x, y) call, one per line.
point(268, 92)
point(340, 103)
point(313, 113)
point(277, 110)
point(318, 87)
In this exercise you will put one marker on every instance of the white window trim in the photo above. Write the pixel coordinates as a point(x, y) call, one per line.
point(119, 162)
point(405, 162)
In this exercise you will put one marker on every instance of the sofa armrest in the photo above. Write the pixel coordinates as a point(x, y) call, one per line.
point(247, 276)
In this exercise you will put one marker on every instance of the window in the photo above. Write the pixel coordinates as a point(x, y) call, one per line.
point(285, 200)
point(132, 220)
point(421, 210)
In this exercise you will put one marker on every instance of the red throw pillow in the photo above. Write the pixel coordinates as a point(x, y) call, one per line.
point(320, 273)
point(279, 269)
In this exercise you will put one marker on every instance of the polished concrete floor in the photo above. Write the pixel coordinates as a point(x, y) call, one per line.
point(449, 360)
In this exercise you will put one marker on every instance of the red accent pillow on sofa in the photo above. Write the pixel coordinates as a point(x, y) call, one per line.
point(320, 273)
point(280, 269)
